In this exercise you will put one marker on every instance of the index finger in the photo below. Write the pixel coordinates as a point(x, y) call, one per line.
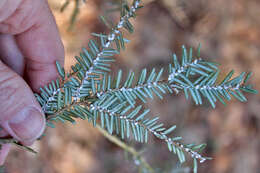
point(38, 38)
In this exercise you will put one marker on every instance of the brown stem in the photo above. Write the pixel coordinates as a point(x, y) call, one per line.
point(126, 147)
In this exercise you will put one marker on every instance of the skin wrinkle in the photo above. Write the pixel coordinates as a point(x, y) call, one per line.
point(24, 20)
point(4, 72)
point(7, 8)
point(24, 17)
point(6, 80)
point(40, 68)
point(11, 91)
point(7, 93)
point(9, 84)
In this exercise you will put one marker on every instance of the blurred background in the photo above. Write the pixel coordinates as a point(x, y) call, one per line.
point(229, 32)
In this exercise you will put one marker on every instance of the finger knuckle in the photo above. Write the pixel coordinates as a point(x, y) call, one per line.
point(21, 19)
point(7, 7)
point(9, 85)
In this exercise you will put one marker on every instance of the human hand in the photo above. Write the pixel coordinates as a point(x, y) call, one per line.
point(29, 46)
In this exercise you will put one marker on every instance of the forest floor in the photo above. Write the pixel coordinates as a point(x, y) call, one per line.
point(229, 32)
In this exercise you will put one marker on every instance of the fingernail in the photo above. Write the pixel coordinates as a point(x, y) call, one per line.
point(28, 125)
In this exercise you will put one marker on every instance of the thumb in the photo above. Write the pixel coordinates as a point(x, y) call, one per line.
point(21, 114)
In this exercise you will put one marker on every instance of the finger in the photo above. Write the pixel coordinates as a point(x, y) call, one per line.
point(7, 8)
point(21, 114)
point(10, 54)
point(5, 148)
point(38, 38)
